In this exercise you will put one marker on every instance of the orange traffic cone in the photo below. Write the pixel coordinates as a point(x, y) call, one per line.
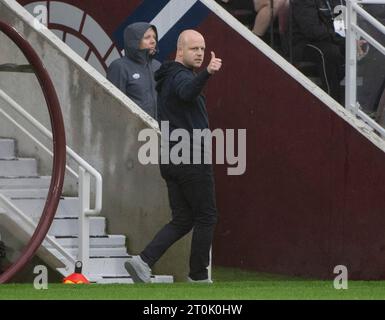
point(76, 277)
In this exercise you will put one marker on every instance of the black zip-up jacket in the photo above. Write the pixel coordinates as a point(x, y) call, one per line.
point(180, 99)
point(313, 22)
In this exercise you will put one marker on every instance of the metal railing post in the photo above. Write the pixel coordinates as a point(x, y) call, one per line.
point(351, 59)
point(84, 221)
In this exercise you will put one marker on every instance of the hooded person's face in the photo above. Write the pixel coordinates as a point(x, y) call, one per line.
point(149, 41)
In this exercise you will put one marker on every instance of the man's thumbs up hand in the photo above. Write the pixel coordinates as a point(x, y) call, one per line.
point(215, 64)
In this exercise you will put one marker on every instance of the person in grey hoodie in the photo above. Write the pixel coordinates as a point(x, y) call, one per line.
point(133, 74)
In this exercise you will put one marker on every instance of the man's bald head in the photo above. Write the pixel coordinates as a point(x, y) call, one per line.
point(190, 49)
point(187, 36)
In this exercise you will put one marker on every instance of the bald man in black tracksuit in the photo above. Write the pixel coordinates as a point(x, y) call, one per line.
point(190, 185)
point(314, 39)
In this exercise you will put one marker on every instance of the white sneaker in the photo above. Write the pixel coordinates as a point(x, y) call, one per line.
point(199, 281)
point(138, 269)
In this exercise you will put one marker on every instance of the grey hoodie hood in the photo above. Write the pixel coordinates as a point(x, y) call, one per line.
point(133, 34)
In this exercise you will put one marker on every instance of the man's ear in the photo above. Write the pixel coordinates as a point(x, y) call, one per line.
point(179, 52)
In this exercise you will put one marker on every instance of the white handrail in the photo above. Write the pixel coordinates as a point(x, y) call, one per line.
point(71, 153)
point(368, 17)
point(85, 171)
point(49, 152)
point(353, 33)
point(370, 1)
point(369, 39)
point(49, 239)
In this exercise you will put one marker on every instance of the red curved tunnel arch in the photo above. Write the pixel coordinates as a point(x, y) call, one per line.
point(59, 151)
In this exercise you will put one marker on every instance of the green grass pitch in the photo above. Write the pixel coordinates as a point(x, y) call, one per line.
point(229, 284)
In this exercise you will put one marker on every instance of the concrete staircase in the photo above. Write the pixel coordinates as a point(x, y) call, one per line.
point(20, 182)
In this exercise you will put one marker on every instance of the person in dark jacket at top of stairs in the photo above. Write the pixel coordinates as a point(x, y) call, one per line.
point(133, 74)
point(315, 39)
point(190, 185)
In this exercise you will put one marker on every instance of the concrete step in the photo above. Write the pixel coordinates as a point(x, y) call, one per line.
point(359, 82)
point(128, 279)
point(112, 269)
point(7, 149)
point(68, 207)
point(25, 193)
point(70, 226)
point(41, 182)
point(107, 241)
point(19, 167)
point(98, 252)
point(108, 266)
